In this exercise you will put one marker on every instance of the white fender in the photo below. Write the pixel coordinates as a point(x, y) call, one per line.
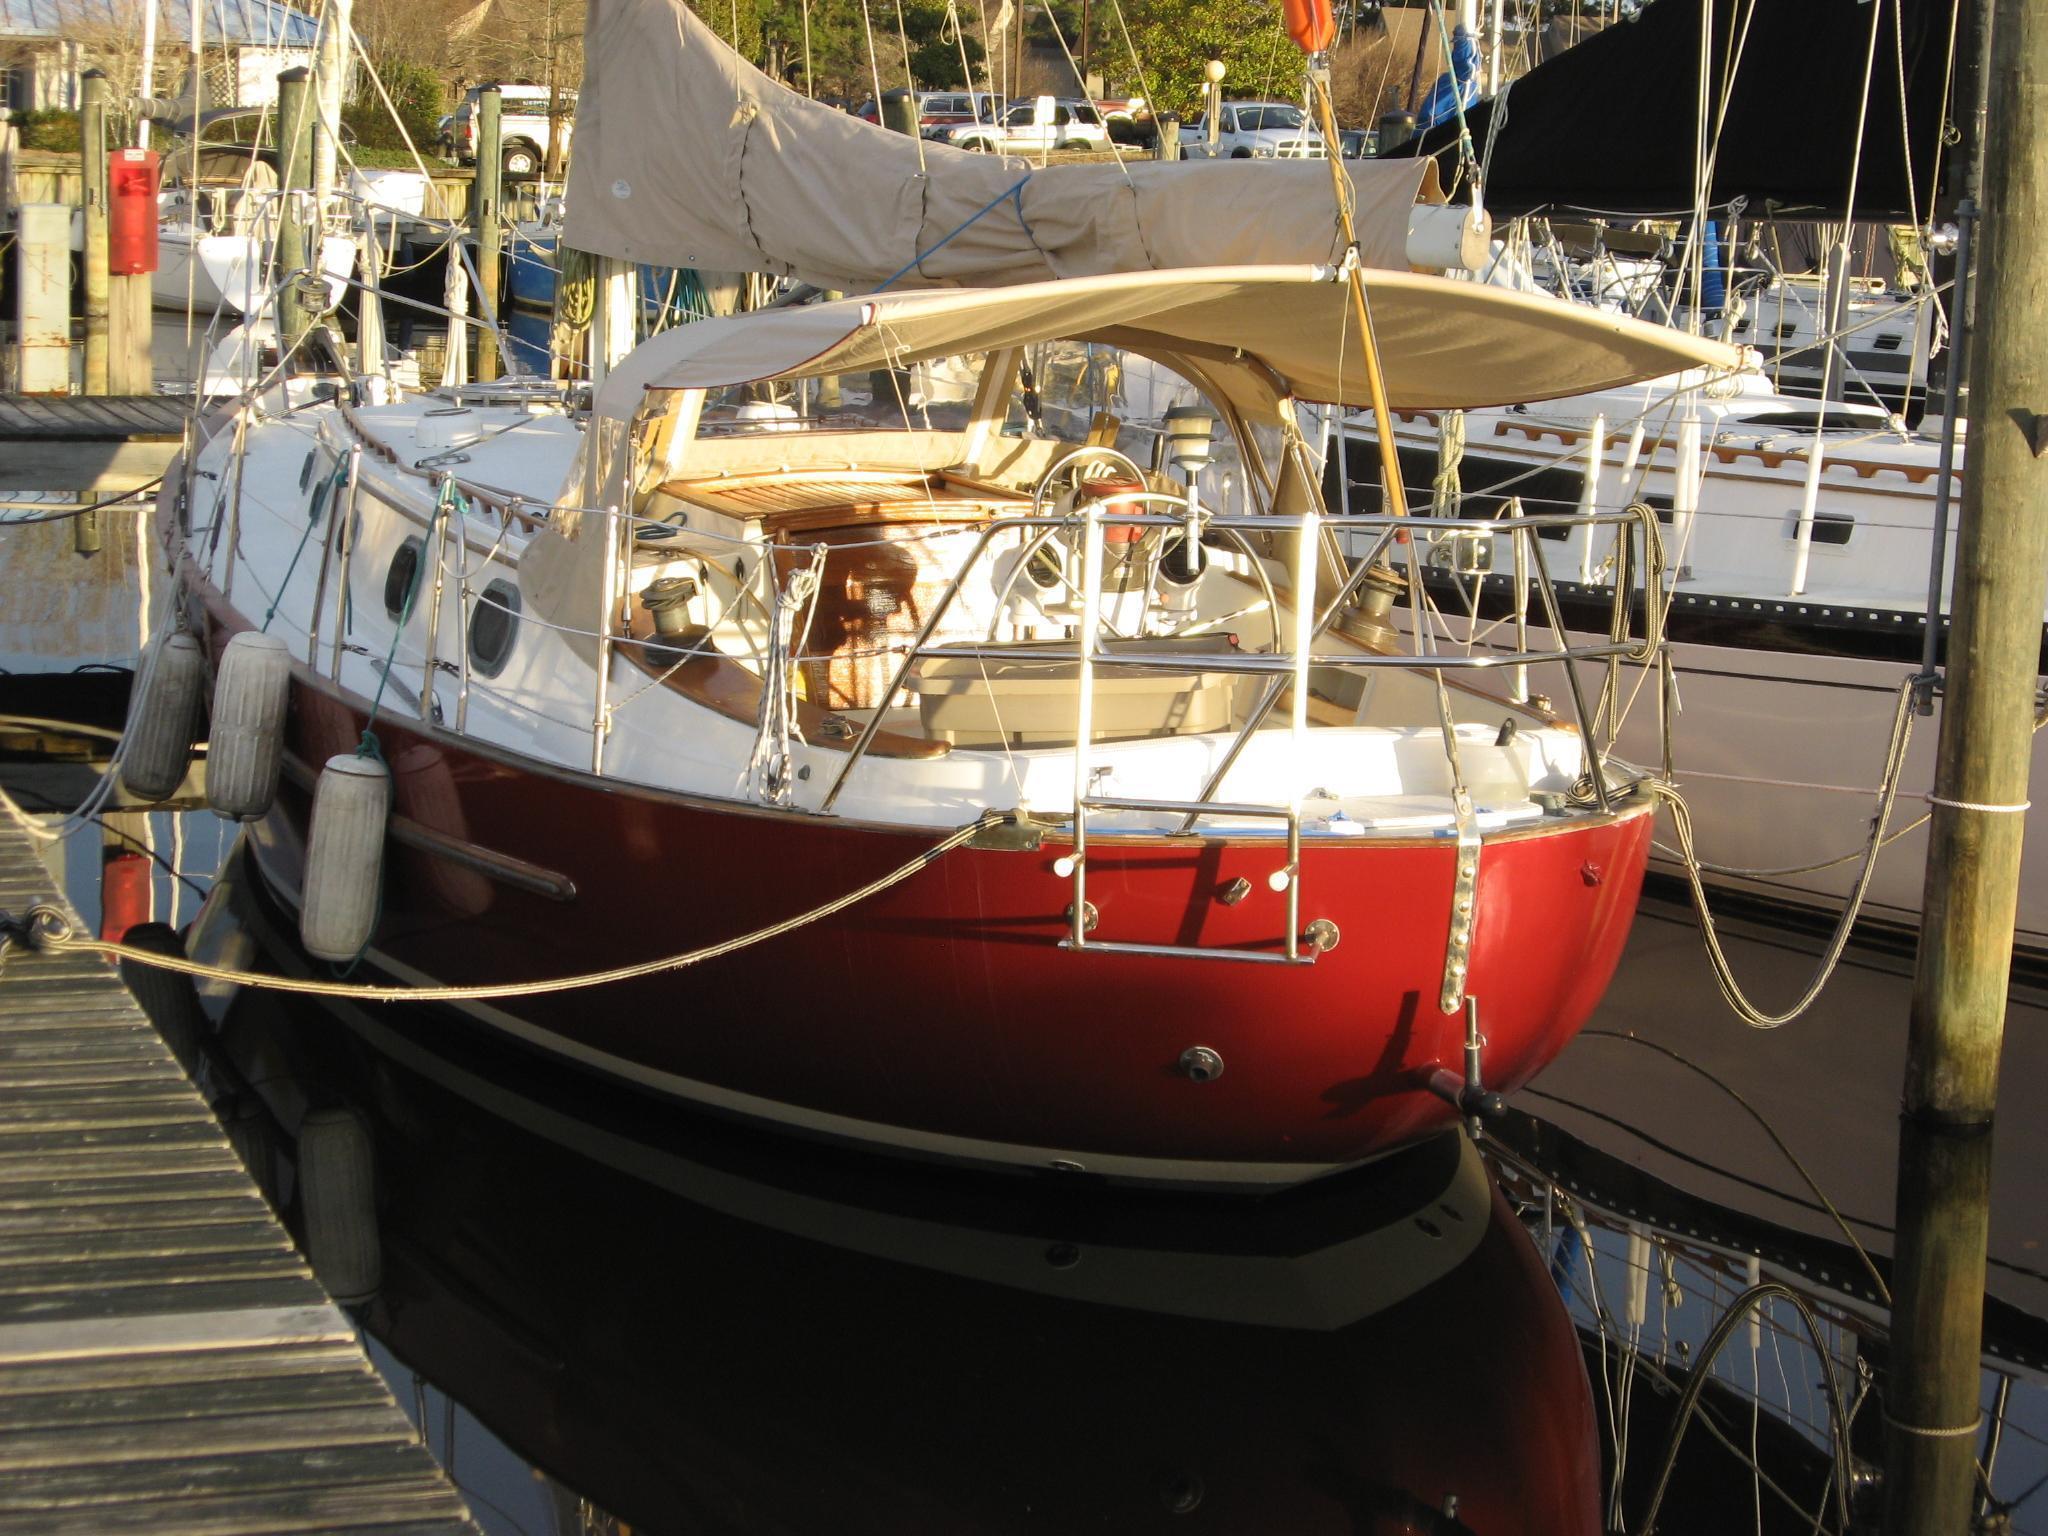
point(246, 747)
point(166, 720)
point(345, 857)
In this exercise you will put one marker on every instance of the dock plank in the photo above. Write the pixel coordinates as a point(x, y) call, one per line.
point(103, 418)
point(168, 1361)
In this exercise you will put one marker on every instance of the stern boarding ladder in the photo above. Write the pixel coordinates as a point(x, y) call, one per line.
point(1287, 668)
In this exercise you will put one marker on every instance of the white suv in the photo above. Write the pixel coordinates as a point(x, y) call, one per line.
point(1046, 122)
point(1255, 130)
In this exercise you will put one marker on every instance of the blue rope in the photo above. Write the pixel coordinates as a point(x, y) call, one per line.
point(323, 501)
point(1014, 194)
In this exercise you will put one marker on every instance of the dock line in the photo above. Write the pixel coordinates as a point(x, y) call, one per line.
point(48, 927)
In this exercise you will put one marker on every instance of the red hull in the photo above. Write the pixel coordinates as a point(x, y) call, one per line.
point(943, 1014)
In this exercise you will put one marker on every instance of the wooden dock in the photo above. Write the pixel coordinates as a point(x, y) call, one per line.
point(167, 1360)
point(87, 443)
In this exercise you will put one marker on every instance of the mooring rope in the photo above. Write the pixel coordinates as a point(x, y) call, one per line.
point(1724, 972)
point(47, 927)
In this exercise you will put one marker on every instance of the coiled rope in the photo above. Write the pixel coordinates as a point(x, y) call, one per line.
point(49, 928)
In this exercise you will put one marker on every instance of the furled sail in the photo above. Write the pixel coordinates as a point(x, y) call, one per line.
point(687, 156)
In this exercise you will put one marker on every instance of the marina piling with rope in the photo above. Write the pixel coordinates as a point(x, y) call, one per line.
point(168, 1360)
point(1932, 1417)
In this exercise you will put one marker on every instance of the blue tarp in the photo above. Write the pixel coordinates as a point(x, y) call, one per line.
point(1458, 87)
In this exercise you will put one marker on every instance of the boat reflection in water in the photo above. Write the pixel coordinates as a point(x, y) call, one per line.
point(708, 1328)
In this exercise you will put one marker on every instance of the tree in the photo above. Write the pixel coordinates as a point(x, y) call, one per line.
point(1176, 39)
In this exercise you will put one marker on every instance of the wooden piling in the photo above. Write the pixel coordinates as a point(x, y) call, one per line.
point(93, 173)
point(898, 112)
point(42, 298)
point(486, 214)
point(1973, 855)
point(130, 370)
point(298, 234)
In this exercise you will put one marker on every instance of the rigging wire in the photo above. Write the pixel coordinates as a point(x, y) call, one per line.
point(1061, 38)
point(1137, 64)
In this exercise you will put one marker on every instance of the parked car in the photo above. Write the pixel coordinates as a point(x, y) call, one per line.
point(1045, 122)
point(943, 110)
point(1129, 120)
point(939, 110)
point(1254, 130)
point(522, 128)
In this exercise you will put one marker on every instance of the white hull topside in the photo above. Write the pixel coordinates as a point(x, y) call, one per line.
point(1785, 709)
point(1779, 756)
point(230, 274)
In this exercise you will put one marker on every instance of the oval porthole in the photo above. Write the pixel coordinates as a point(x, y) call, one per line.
point(493, 626)
point(398, 581)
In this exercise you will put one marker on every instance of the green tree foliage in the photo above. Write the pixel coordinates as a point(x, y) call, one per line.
point(1175, 40)
point(772, 37)
point(416, 90)
point(49, 128)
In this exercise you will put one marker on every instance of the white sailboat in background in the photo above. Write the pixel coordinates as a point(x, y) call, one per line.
point(1800, 532)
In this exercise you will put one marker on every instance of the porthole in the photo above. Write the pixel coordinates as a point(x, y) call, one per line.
point(493, 626)
point(398, 581)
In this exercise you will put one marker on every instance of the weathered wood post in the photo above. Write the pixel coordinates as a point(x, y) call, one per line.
point(1168, 124)
point(1973, 850)
point(486, 215)
point(898, 111)
point(93, 193)
point(298, 230)
point(42, 298)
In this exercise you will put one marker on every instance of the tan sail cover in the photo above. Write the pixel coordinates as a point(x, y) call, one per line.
point(1442, 343)
point(687, 156)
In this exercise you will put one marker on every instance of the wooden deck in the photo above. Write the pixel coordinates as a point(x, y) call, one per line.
point(84, 443)
point(167, 1360)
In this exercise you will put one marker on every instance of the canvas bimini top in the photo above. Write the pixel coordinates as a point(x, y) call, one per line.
point(1443, 344)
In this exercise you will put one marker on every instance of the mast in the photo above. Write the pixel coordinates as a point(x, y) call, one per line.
point(145, 81)
point(1973, 854)
point(330, 73)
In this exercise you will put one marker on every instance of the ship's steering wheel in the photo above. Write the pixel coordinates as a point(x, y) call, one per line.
point(1069, 463)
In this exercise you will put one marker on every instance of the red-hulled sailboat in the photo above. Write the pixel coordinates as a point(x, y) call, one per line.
point(1251, 895)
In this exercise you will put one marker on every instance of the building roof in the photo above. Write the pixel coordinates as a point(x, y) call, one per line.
point(238, 22)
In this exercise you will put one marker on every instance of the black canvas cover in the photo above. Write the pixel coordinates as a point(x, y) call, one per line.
point(1609, 126)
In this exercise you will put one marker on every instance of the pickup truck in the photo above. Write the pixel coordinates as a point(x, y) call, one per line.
point(1254, 130)
point(1046, 122)
point(523, 129)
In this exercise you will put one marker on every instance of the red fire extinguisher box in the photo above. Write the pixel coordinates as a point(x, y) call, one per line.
point(131, 211)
